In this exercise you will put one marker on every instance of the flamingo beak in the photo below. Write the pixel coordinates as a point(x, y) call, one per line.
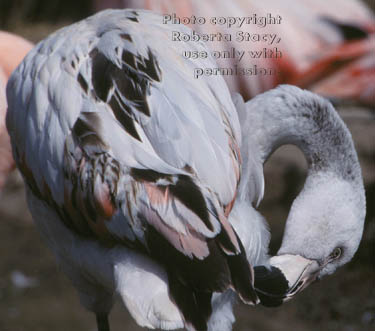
point(288, 275)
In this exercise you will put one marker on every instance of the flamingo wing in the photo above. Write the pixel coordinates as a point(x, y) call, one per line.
point(112, 130)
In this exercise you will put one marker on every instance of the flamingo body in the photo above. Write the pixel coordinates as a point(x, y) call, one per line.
point(95, 144)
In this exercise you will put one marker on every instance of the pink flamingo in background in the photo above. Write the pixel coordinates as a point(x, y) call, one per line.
point(327, 46)
point(12, 50)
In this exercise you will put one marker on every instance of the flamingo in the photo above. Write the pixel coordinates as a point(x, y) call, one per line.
point(322, 48)
point(12, 50)
point(134, 176)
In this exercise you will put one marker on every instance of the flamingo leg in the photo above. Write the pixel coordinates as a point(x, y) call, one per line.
point(102, 322)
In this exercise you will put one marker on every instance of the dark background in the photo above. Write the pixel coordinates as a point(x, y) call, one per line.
point(344, 301)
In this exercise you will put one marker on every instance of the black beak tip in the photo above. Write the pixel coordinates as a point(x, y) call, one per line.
point(270, 285)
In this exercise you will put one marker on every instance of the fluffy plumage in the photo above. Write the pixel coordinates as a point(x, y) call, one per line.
point(108, 142)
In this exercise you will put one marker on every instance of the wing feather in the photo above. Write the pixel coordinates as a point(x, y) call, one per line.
point(125, 99)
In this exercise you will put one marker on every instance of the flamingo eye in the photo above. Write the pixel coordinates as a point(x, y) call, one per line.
point(336, 253)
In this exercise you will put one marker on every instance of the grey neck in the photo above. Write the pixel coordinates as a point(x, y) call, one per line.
point(289, 115)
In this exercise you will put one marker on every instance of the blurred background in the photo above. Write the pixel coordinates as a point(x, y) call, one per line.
point(336, 59)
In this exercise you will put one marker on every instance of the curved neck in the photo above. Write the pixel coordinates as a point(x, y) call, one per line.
point(288, 115)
